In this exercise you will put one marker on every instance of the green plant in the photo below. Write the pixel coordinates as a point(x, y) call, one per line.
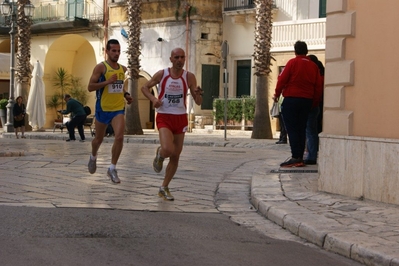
point(77, 91)
point(55, 101)
point(249, 108)
point(62, 82)
point(3, 103)
point(218, 109)
point(236, 109)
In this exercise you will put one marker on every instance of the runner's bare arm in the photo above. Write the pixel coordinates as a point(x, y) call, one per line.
point(147, 87)
point(97, 72)
point(195, 90)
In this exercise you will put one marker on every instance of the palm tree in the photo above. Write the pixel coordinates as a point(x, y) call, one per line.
point(23, 75)
point(262, 57)
point(133, 124)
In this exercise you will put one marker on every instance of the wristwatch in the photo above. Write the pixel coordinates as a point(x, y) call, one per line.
point(126, 93)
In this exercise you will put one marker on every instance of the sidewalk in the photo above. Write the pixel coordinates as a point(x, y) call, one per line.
point(365, 231)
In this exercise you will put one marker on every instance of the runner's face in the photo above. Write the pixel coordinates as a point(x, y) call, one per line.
point(178, 58)
point(114, 52)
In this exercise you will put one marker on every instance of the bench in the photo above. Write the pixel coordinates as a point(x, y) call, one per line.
point(89, 123)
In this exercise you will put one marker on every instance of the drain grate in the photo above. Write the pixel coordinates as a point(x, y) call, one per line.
point(293, 171)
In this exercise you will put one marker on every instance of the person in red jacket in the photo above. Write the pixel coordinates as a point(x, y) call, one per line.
point(300, 85)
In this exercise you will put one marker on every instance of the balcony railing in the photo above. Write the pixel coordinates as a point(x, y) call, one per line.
point(232, 5)
point(311, 31)
point(55, 11)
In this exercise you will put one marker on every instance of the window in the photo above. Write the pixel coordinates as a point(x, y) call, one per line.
point(322, 8)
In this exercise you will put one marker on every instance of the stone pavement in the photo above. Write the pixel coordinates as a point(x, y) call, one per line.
point(365, 231)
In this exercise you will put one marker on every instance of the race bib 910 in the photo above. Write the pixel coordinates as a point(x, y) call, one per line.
point(116, 87)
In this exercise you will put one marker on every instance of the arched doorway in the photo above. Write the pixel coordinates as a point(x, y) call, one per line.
point(147, 112)
point(76, 56)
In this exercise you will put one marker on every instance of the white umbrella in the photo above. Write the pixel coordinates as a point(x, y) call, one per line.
point(36, 106)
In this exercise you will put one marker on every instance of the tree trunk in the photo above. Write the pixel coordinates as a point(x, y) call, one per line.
point(262, 125)
point(24, 72)
point(262, 57)
point(133, 123)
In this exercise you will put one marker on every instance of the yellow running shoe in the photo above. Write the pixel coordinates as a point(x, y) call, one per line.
point(158, 161)
point(165, 193)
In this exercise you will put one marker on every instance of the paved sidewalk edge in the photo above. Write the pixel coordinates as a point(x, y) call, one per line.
point(317, 229)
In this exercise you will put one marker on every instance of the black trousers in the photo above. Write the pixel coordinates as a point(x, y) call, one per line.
point(76, 121)
point(295, 114)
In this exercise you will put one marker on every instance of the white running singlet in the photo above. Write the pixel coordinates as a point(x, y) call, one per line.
point(173, 93)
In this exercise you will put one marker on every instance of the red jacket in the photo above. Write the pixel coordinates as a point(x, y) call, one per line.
point(300, 78)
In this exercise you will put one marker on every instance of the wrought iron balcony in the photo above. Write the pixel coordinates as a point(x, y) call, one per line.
point(68, 11)
point(232, 5)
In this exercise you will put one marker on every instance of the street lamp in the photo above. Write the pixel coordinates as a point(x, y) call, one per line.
point(8, 8)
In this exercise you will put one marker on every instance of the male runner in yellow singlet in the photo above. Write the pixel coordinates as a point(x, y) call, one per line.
point(107, 81)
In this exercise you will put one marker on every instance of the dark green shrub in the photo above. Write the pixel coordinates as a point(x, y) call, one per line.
point(3, 103)
point(249, 108)
point(236, 108)
point(218, 109)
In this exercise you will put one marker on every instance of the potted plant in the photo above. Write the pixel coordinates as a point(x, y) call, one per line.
point(62, 81)
point(3, 111)
point(54, 102)
point(77, 91)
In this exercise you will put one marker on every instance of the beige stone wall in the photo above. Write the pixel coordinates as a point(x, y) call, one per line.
point(361, 79)
point(161, 10)
point(359, 142)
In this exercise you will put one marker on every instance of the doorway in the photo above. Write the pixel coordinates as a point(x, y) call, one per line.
point(243, 78)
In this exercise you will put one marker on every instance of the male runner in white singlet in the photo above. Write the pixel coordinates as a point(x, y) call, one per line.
point(171, 119)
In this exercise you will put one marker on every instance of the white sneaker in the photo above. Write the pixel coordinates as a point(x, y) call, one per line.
point(113, 174)
point(92, 165)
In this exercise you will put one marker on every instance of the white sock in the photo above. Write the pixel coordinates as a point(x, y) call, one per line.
point(92, 157)
point(112, 167)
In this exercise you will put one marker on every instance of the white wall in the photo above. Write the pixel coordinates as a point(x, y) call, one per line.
point(288, 10)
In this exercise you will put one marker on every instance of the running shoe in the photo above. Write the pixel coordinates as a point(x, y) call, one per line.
point(165, 193)
point(113, 174)
point(92, 166)
point(158, 161)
